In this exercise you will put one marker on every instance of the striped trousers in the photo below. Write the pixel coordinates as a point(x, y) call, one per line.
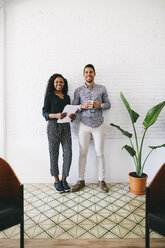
point(59, 133)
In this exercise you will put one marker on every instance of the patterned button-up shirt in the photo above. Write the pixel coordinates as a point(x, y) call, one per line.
point(92, 117)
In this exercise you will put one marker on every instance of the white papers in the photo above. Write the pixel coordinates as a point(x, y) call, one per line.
point(70, 109)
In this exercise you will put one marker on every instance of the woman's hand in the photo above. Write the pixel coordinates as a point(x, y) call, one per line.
point(72, 117)
point(61, 115)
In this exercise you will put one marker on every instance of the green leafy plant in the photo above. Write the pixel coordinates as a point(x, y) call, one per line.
point(149, 120)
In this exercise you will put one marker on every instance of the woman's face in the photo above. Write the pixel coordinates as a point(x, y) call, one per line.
point(58, 84)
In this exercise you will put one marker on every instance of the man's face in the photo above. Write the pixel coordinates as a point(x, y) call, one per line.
point(89, 75)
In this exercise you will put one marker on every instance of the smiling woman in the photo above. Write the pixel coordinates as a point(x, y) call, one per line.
point(56, 99)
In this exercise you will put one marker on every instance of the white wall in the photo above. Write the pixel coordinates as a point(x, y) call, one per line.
point(124, 39)
point(2, 41)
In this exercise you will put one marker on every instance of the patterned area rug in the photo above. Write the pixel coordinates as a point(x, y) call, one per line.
point(88, 214)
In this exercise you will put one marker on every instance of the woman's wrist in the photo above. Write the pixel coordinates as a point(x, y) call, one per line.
point(52, 116)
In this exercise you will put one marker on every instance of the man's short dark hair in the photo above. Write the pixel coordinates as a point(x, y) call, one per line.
point(89, 66)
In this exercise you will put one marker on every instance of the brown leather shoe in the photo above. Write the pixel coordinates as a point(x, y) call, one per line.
point(103, 186)
point(79, 185)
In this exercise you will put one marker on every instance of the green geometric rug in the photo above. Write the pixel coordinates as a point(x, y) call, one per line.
point(87, 214)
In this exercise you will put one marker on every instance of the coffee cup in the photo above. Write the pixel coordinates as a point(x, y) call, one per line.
point(90, 104)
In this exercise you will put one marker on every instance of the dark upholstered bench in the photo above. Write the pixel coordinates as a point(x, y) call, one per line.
point(11, 200)
point(155, 205)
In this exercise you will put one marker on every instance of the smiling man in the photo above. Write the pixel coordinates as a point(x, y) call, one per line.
point(93, 99)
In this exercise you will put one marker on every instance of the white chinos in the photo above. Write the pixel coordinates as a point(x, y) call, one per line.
point(97, 133)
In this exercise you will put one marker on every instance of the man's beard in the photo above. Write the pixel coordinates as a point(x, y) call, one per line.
point(89, 81)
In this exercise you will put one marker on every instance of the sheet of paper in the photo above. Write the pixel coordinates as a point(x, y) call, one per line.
point(70, 109)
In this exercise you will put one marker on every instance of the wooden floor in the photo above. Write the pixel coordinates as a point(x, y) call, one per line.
point(75, 243)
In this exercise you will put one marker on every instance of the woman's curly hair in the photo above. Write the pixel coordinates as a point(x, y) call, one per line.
point(50, 85)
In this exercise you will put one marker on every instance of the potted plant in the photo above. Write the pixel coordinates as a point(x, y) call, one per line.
point(135, 150)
